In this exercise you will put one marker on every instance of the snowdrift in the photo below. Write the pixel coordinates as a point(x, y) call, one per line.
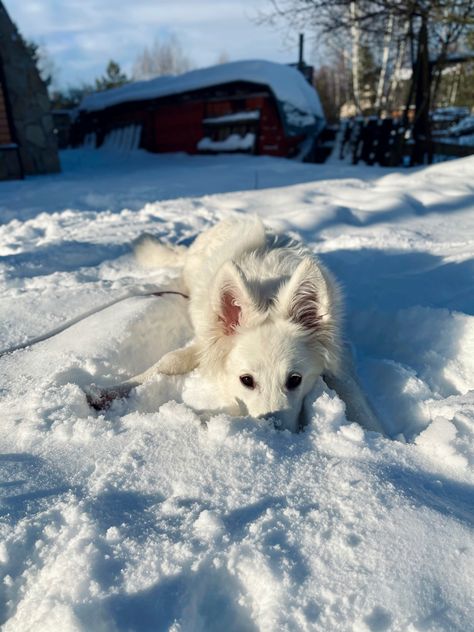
point(149, 516)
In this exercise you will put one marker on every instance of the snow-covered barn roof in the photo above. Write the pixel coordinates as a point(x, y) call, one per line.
point(298, 100)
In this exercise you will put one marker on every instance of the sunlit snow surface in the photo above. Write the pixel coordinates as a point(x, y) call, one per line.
point(145, 518)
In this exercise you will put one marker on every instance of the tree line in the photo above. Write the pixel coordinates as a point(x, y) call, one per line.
point(371, 47)
point(376, 57)
point(164, 57)
point(388, 56)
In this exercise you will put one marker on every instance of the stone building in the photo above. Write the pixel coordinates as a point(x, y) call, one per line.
point(27, 140)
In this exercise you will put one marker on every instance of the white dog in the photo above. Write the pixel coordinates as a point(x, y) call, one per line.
point(266, 317)
point(267, 323)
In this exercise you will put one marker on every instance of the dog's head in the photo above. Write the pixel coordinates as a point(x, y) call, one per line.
point(266, 349)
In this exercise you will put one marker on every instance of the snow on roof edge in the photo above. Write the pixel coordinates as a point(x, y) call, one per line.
point(287, 84)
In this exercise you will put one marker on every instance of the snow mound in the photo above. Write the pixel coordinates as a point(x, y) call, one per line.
point(155, 515)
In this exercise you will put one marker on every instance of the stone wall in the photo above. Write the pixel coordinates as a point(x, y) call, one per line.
point(10, 167)
point(29, 102)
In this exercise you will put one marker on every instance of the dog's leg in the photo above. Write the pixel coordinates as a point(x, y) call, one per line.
point(102, 398)
point(348, 388)
point(175, 362)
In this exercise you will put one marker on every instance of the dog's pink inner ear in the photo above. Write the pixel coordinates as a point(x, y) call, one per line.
point(304, 308)
point(230, 312)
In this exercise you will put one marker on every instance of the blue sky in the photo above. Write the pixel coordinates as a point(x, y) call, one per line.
point(82, 35)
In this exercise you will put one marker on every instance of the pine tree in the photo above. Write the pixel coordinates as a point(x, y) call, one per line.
point(113, 78)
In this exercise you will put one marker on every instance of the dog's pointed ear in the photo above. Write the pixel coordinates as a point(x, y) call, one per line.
point(311, 299)
point(305, 299)
point(231, 300)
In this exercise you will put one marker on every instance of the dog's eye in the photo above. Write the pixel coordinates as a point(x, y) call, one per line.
point(293, 381)
point(247, 381)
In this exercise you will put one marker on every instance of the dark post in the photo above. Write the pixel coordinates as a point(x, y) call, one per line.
point(421, 125)
point(300, 56)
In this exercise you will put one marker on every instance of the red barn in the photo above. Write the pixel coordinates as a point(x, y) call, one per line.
point(258, 107)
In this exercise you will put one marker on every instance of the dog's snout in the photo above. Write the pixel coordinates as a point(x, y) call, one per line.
point(262, 410)
point(282, 414)
point(275, 407)
point(287, 419)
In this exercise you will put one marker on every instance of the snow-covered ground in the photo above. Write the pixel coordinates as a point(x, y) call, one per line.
point(144, 518)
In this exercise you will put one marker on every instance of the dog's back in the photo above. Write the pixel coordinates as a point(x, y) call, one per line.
point(225, 241)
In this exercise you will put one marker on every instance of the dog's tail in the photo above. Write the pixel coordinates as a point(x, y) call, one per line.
point(150, 252)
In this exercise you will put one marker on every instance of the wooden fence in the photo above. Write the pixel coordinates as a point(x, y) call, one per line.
point(387, 142)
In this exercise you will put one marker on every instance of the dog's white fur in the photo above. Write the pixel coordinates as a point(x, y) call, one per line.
point(259, 307)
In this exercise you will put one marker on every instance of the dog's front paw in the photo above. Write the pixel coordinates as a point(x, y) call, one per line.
point(102, 398)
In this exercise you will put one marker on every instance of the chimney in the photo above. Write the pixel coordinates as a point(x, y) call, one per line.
point(300, 57)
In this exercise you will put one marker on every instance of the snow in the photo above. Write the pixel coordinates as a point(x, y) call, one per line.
point(466, 139)
point(234, 142)
point(462, 132)
point(449, 114)
point(236, 117)
point(153, 516)
point(288, 85)
point(121, 139)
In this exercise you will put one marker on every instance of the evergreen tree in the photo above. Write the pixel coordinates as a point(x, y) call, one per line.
point(113, 78)
point(71, 97)
point(43, 62)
